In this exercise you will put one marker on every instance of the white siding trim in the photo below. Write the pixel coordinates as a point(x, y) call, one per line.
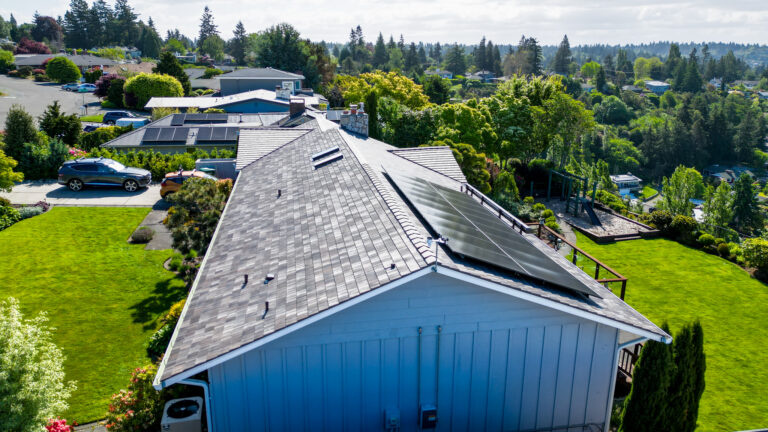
point(285, 331)
point(551, 304)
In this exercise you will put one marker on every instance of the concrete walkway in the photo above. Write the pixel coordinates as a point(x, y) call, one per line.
point(162, 239)
point(30, 192)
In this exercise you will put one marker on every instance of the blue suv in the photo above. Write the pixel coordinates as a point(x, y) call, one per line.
point(78, 173)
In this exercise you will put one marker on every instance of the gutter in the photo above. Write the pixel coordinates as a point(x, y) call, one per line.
point(206, 399)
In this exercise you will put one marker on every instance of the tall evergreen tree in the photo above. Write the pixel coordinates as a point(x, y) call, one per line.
point(674, 59)
point(150, 42)
point(745, 206)
point(687, 383)
point(479, 55)
point(562, 57)
point(169, 65)
point(600, 81)
point(19, 130)
point(438, 56)
point(494, 59)
point(645, 407)
point(239, 44)
point(411, 58)
point(454, 60)
point(125, 25)
point(76, 25)
point(207, 27)
point(391, 44)
point(380, 54)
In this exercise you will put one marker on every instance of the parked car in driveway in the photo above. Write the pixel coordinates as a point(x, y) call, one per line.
point(78, 173)
point(90, 128)
point(70, 86)
point(136, 122)
point(173, 180)
point(86, 88)
point(113, 116)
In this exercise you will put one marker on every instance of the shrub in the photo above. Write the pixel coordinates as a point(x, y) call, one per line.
point(138, 90)
point(116, 93)
point(213, 110)
point(19, 129)
point(719, 241)
point(196, 210)
point(212, 72)
point(107, 104)
point(43, 205)
point(660, 219)
point(13, 73)
point(723, 250)
point(683, 229)
point(706, 240)
point(29, 211)
point(528, 200)
point(539, 207)
point(612, 201)
point(28, 46)
point(142, 235)
point(58, 425)
point(756, 253)
point(159, 340)
point(546, 214)
point(173, 315)
point(139, 407)
point(55, 124)
point(553, 226)
point(42, 161)
point(8, 217)
point(38, 72)
point(175, 263)
point(4, 202)
point(32, 388)
point(24, 71)
point(42, 78)
point(6, 61)
point(93, 75)
point(159, 163)
point(62, 69)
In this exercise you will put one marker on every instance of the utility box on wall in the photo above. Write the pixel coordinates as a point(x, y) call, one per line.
point(392, 419)
point(428, 417)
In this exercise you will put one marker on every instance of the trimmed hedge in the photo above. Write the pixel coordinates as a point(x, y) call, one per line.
point(159, 164)
point(139, 89)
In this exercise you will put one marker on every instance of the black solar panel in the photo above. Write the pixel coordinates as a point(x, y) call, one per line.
point(150, 134)
point(475, 232)
point(218, 134)
point(232, 133)
point(177, 120)
point(216, 117)
point(201, 118)
point(180, 134)
point(166, 134)
point(204, 134)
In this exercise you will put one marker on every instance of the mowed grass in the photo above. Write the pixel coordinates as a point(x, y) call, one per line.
point(673, 283)
point(94, 118)
point(102, 294)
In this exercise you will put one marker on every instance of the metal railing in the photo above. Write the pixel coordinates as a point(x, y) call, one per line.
point(555, 240)
point(500, 212)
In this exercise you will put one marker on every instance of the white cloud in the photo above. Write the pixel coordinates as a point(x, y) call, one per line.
point(585, 22)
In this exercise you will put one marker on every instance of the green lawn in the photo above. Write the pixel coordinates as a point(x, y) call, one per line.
point(94, 118)
point(673, 283)
point(647, 192)
point(102, 294)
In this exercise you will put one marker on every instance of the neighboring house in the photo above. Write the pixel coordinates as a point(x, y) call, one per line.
point(627, 182)
point(483, 75)
point(191, 58)
point(726, 173)
point(323, 302)
point(748, 85)
point(587, 88)
point(243, 80)
point(83, 61)
point(441, 73)
point(657, 87)
point(762, 94)
point(255, 101)
point(632, 88)
point(716, 82)
point(178, 133)
point(197, 81)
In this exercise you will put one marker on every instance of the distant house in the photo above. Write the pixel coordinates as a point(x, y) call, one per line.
point(632, 88)
point(483, 75)
point(587, 88)
point(628, 182)
point(748, 85)
point(441, 73)
point(197, 81)
point(323, 302)
point(716, 82)
point(83, 61)
point(726, 173)
point(762, 94)
point(254, 101)
point(657, 87)
point(190, 58)
point(243, 80)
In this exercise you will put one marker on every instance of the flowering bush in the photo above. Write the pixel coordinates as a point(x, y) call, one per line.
point(138, 408)
point(38, 71)
point(59, 425)
point(76, 152)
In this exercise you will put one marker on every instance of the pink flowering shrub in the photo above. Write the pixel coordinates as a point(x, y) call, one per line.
point(76, 152)
point(59, 425)
point(139, 407)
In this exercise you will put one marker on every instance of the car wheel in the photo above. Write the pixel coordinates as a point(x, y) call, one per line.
point(75, 185)
point(131, 185)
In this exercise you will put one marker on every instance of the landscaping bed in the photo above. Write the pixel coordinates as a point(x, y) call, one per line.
point(103, 295)
point(667, 283)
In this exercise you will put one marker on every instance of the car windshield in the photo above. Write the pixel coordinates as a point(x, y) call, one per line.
point(115, 165)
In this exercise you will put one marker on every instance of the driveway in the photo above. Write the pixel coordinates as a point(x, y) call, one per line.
point(30, 192)
point(35, 97)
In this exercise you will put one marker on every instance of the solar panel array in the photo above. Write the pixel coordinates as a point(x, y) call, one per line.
point(475, 232)
point(206, 118)
point(165, 135)
point(217, 134)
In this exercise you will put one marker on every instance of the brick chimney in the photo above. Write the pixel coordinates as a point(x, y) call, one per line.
point(355, 120)
point(296, 107)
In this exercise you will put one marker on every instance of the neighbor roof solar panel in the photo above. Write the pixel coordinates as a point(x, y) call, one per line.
point(177, 120)
point(150, 134)
point(180, 134)
point(204, 134)
point(475, 232)
point(166, 134)
point(218, 134)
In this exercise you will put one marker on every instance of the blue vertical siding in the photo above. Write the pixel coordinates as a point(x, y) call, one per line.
point(503, 364)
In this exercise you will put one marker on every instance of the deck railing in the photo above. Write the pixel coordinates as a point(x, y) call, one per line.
point(555, 240)
point(628, 358)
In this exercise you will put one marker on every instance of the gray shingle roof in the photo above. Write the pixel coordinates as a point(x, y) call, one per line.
point(253, 144)
point(261, 73)
point(79, 60)
point(439, 158)
point(330, 236)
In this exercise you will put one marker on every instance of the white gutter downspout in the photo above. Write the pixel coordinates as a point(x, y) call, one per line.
point(207, 398)
point(616, 372)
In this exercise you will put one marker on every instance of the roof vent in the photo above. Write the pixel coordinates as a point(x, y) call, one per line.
point(269, 277)
point(325, 153)
point(323, 162)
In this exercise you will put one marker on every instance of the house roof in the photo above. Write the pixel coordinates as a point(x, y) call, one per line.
point(438, 158)
point(261, 74)
point(334, 234)
point(657, 84)
point(624, 178)
point(79, 60)
point(268, 96)
point(254, 144)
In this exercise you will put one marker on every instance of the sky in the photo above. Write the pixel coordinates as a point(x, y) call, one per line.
point(463, 21)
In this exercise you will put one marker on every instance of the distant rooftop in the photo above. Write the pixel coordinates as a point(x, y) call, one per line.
point(261, 73)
